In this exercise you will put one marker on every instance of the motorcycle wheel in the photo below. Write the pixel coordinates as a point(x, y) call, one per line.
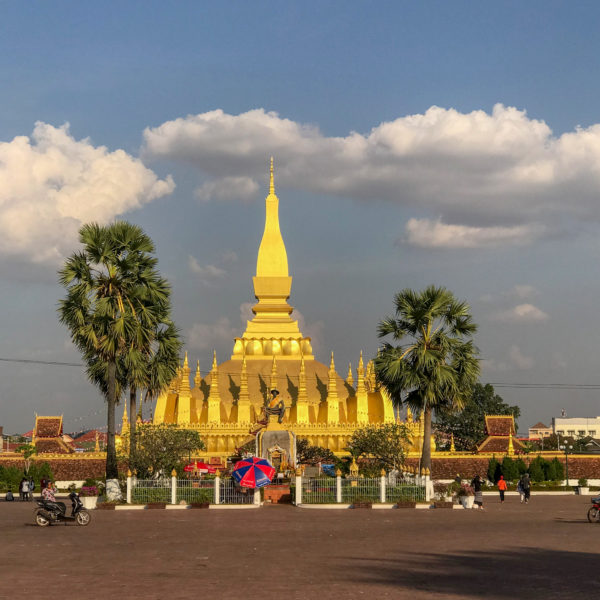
point(41, 520)
point(83, 518)
point(593, 515)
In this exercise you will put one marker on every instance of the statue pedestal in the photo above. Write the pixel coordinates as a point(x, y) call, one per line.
point(277, 444)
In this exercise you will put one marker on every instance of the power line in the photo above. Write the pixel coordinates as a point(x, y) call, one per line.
point(40, 362)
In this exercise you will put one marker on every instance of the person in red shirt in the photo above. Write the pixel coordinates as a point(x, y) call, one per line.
point(501, 488)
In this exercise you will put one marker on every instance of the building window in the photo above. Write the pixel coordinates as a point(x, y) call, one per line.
point(592, 432)
point(561, 432)
point(581, 432)
point(571, 432)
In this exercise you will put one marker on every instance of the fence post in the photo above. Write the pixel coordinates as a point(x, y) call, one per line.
point(382, 486)
point(338, 486)
point(173, 486)
point(128, 486)
point(427, 485)
point(298, 488)
point(218, 487)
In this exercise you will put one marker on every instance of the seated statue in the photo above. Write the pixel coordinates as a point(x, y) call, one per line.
point(275, 406)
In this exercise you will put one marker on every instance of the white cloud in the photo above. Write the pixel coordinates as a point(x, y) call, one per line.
point(207, 337)
point(228, 188)
point(524, 291)
point(435, 234)
point(522, 313)
point(502, 176)
point(51, 183)
point(205, 274)
point(519, 360)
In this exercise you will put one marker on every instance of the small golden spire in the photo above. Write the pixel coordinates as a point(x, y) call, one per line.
point(452, 448)
point(244, 381)
point(350, 378)
point(214, 362)
point(198, 376)
point(409, 415)
point(97, 446)
point(272, 180)
point(302, 391)
point(273, 381)
point(511, 448)
point(125, 419)
point(185, 361)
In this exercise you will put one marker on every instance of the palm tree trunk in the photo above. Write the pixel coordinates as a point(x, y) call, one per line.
point(132, 423)
point(112, 468)
point(426, 453)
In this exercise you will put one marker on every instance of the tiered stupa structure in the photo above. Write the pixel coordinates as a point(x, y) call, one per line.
point(321, 406)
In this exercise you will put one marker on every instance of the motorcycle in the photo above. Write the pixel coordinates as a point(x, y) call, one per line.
point(594, 512)
point(49, 513)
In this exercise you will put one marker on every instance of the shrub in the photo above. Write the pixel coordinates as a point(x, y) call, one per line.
point(536, 469)
point(582, 482)
point(510, 469)
point(494, 470)
point(559, 470)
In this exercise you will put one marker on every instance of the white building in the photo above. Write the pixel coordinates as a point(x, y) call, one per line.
point(576, 427)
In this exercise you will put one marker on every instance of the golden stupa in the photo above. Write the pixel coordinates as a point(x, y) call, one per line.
point(321, 406)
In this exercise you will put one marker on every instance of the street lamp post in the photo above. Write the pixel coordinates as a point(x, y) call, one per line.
point(566, 447)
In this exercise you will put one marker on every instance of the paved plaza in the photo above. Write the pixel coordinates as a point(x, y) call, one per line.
point(544, 550)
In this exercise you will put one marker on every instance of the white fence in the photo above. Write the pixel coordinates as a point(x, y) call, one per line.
point(178, 491)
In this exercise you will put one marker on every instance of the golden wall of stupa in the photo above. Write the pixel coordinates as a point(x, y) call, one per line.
point(321, 406)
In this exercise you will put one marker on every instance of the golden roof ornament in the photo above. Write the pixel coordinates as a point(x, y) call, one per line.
point(452, 447)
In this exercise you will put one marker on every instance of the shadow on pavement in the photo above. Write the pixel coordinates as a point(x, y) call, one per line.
point(525, 573)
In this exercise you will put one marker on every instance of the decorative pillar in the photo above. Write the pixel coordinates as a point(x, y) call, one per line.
point(129, 486)
point(273, 378)
point(173, 486)
point(338, 486)
point(382, 488)
point(257, 496)
point(428, 485)
point(298, 487)
point(218, 487)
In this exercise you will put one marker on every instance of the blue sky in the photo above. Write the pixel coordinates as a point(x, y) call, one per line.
point(175, 109)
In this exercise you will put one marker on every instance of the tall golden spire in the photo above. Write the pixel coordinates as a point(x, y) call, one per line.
point(272, 331)
point(362, 399)
point(214, 398)
point(184, 387)
point(333, 401)
point(243, 403)
point(360, 374)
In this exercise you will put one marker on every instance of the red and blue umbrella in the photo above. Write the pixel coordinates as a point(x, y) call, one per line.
point(253, 472)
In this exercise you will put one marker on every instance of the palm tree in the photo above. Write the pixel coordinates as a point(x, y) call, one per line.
point(115, 300)
point(434, 363)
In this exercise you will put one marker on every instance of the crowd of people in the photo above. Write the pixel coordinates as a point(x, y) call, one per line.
point(27, 488)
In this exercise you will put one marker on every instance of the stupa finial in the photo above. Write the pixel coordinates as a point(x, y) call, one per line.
point(214, 363)
point(272, 180)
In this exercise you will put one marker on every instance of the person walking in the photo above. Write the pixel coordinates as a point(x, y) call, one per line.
point(526, 486)
point(21, 488)
point(25, 489)
point(476, 483)
point(501, 488)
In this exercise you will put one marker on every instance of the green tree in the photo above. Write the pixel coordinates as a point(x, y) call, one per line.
point(162, 448)
point(559, 470)
point(114, 301)
point(307, 454)
point(28, 451)
point(431, 361)
point(494, 469)
point(386, 444)
point(468, 425)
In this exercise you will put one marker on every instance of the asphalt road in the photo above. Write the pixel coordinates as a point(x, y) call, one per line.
point(546, 549)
